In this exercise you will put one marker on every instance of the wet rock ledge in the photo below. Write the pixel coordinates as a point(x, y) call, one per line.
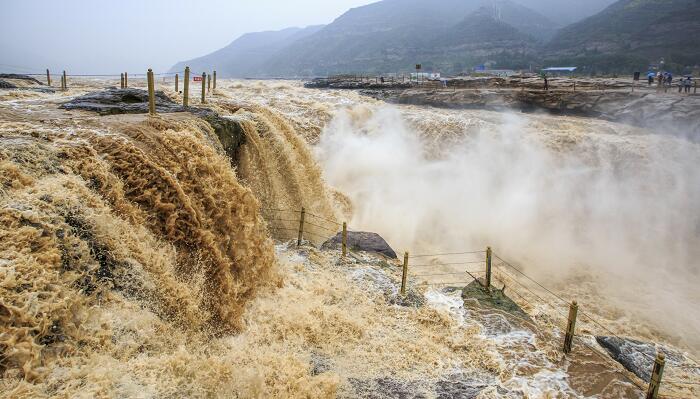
point(115, 101)
point(13, 81)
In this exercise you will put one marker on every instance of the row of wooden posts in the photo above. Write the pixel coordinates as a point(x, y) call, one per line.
point(208, 84)
point(64, 81)
point(344, 236)
point(659, 362)
point(573, 307)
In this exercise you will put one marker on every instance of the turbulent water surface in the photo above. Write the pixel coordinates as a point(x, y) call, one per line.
point(138, 259)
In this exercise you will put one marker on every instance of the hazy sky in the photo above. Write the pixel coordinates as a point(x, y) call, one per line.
point(100, 36)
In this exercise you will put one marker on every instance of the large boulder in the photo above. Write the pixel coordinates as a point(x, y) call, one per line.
point(16, 76)
point(121, 101)
point(15, 81)
point(493, 299)
point(113, 101)
point(637, 356)
point(361, 241)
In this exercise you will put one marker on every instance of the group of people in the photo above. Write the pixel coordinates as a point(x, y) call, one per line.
point(685, 84)
point(665, 79)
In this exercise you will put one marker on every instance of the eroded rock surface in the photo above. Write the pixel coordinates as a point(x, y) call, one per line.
point(362, 241)
point(15, 81)
point(637, 356)
point(115, 101)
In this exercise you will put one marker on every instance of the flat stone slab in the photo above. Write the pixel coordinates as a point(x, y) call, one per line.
point(20, 77)
point(361, 241)
point(13, 81)
point(115, 101)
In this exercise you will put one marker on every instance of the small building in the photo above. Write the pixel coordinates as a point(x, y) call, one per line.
point(498, 72)
point(565, 71)
point(425, 76)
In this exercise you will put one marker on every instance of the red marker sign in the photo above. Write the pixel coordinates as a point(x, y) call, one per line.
point(197, 78)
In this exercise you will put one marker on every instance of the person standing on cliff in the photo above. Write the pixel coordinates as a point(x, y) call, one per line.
point(546, 82)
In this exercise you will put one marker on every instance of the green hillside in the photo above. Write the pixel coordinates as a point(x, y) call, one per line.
point(393, 35)
point(631, 34)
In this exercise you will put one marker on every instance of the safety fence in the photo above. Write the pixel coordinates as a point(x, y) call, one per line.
point(485, 268)
point(208, 82)
point(304, 225)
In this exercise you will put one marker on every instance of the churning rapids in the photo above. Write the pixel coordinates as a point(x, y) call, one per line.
point(141, 258)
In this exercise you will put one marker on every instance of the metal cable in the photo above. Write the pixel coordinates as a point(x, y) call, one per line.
point(449, 282)
point(284, 220)
point(631, 380)
point(531, 279)
point(564, 301)
point(319, 226)
point(533, 293)
point(680, 382)
point(446, 264)
point(323, 218)
point(445, 254)
point(438, 274)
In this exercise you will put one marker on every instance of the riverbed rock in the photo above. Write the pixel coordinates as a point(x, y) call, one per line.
point(115, 101)
point(387, 388)
point(638, 356)
point(361, 241)
point(16, 76)
point(614, 100)
point(378, 279)
point(13, 81)
point(493, 299)
point(465, 386)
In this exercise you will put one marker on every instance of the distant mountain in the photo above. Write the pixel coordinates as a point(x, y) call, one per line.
point(392, 35)
point(565, 12)
point(630, 34)
point(247, 55)
point(452, 36)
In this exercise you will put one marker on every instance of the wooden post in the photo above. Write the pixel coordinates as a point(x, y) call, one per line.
point(488, 268)
point(405, 274)
point(186, 93)
point(151, 93)
point(48, 77)
point(570, 327)
point(204, 87)
point(214, 83)
point(209, 84)
point(574, 86)
point(301, 225)
point(121, 80)
point(656, 373)
point(176, 82)
point(345, 238)
point(126, 80)
point(65, 81)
